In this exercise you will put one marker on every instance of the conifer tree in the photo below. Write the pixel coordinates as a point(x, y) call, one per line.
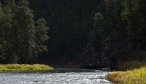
point(41, 35)
point(20, 38)
point(2, 56)
point(26, 32)
point(7, 23)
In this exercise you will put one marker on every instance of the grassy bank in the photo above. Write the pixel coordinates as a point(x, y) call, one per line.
point(133, 70)
point(25, 68)
point(135, 73)
point(137, 76)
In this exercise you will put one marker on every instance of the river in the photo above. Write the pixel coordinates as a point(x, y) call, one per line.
point(56, 77)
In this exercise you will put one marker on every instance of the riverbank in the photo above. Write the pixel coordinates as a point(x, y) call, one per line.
point(24, 68)
point(135, 76)
point(132, 70)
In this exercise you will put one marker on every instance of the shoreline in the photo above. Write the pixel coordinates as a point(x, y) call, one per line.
point(24, 68)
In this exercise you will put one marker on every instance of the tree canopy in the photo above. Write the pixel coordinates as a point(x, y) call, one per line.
point(81, 32)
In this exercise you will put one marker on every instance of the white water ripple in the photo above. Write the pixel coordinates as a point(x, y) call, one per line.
point(55, 78)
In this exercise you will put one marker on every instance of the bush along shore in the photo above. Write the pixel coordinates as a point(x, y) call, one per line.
point(133, 74)
point(24, 68)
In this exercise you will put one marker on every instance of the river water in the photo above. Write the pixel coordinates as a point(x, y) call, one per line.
point(58, 77)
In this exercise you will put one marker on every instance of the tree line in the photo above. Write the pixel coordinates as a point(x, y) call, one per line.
point(118, 25)
point(117, 29)
point(121, 31)
point(22, 38)
point(70, 23)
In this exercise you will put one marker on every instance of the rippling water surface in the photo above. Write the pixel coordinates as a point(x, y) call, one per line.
point(89, 77)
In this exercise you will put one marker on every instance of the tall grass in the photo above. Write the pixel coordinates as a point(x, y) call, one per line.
point(136, 76)
point(24, 68)
point(134, 70)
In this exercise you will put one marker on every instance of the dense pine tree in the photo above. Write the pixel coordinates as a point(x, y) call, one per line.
point(2, 56)
point(41, 35)
point(18, 42)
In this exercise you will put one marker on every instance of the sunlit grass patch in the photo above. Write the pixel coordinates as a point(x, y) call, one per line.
point(116, 77)
point(136, 76)
point(25, 68)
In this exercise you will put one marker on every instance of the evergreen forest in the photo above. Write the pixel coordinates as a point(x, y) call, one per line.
point(73, 33)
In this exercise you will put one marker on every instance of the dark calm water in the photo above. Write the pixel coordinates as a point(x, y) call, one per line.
point(56, 77)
